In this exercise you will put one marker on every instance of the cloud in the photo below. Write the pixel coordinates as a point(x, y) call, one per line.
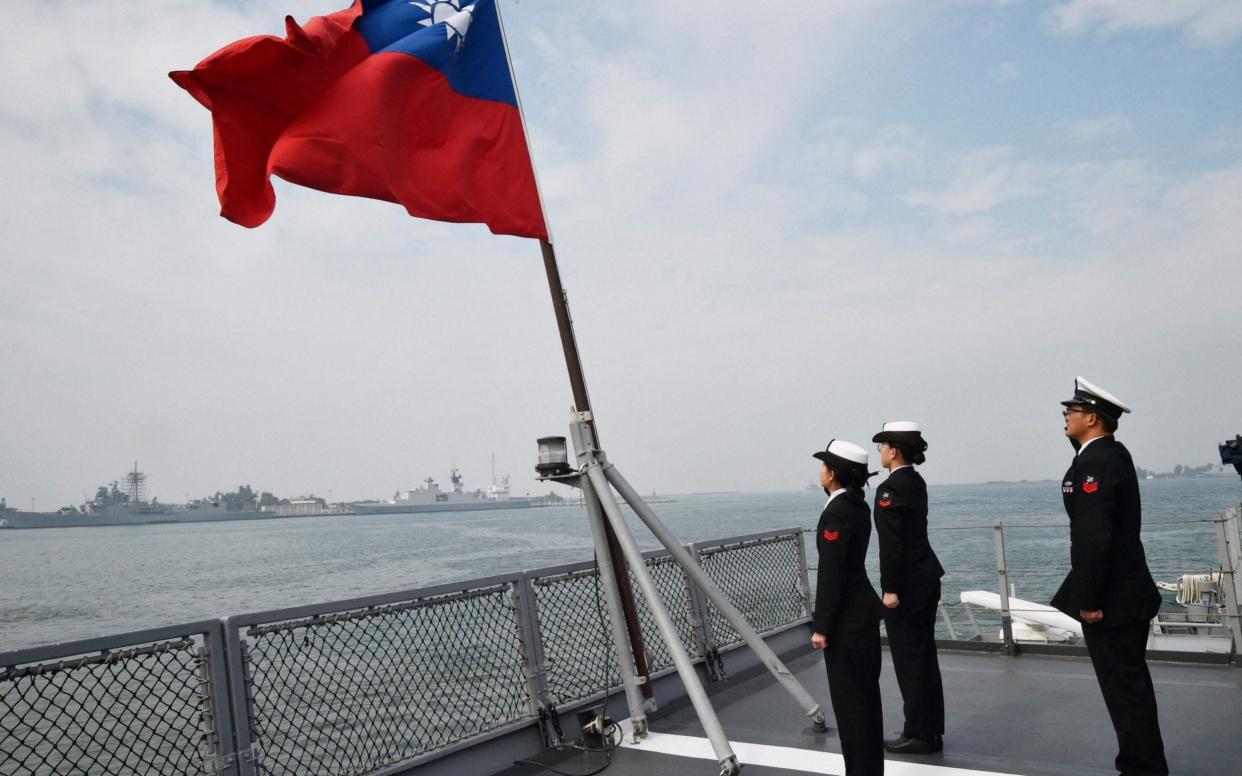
point(722, 221)
point(1005, 72)
point(1226, 141)
point(1089, 202)
point(981, 180)
point(1095, 129)
point(1203, 22)
point(892, 150)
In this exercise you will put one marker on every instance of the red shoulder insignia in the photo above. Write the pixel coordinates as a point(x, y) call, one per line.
point(831, 536)
point(886, 504)
point(1090, 485)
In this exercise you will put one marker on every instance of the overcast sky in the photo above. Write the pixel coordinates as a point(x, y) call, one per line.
point(777, 223)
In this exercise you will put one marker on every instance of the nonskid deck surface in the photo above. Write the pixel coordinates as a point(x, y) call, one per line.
point(1028, 715)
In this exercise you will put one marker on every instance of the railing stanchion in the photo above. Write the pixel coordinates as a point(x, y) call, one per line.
point(804, 577)
point(1229, 550)
point(700, 623)
point(1002, 574)
point(526, 621)
point(948, 622)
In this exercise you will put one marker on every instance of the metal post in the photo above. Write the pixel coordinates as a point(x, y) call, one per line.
point(718, 598)
point(526, 619)
point(700, 622)
point(583, 435)
point(612, 596)
point(804, 576)
point(685, 668)
point(247, 751)
point(218, 687)
point(1002, 574)
point(1228, 550)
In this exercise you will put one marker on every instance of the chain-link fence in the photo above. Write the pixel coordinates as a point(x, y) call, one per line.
point(363, 686)
point(379, 683)
point(355, 690)
point(138, 703)
point(763, 576)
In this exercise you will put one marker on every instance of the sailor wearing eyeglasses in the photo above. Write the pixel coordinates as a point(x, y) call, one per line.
point(1109, 587)
point(910, 576)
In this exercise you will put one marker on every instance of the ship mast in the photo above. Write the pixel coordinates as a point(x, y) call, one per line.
point(136, 485)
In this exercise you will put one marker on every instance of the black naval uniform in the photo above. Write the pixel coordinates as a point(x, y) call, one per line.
point(848, 612)
point(1109, 573)
point(909, 567)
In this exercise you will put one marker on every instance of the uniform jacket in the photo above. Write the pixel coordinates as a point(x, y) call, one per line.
point(906, 556)
point(1108, 569)
point(845, 601)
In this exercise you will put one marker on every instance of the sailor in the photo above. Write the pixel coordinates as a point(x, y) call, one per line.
point(1109, 587)
point(910, 576)
point(847, 615)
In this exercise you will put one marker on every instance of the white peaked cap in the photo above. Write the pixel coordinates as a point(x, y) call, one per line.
point(1083, 385)
point(848, 450)
point(901, 425)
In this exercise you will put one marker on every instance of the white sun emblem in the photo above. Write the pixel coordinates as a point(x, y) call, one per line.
point(455, 16)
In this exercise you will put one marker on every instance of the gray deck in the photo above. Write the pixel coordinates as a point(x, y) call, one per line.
point(1019, 715)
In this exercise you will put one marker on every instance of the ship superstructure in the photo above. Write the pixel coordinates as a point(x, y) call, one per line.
point(429, 497)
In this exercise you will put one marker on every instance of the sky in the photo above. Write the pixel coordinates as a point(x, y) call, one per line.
point(777, 224)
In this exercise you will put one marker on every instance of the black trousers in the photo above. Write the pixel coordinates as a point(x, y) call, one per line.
point(1118, 654)
point(853, 661)
point(911, 629)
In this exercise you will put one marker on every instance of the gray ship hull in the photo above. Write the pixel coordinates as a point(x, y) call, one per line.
point(15, 519)
point(363, 508)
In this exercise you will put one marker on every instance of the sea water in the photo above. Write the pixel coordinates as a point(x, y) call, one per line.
point(72, 583)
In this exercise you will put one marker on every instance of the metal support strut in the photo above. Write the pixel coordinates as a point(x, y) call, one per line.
point(616, 617)
point(685, 667)
point(718, 598)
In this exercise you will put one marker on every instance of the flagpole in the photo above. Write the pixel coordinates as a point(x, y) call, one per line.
point(569, 343)
point(577, 383)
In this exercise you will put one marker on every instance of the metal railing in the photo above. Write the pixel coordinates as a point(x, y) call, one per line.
point(373, 685)
point(380, 684)
point(965, 622)
point(150, 701)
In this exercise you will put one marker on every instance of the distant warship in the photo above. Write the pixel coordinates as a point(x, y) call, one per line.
point(134, 510)
point(429, 498)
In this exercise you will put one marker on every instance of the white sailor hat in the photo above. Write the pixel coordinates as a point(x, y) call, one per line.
point(1085, 393)
point(840, 453)
point(905, 432)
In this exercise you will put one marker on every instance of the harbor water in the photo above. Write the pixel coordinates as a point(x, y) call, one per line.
point(72, 583)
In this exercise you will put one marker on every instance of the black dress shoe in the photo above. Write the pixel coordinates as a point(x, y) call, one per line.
point(938, 742)
point(907, 745)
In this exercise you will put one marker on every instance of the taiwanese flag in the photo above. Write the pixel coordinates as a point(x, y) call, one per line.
point(408, 102)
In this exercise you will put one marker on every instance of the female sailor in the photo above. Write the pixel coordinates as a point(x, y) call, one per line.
point(910, 576)
point(847, 613)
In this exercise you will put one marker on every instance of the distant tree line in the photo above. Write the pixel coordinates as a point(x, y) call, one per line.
point(246, 499)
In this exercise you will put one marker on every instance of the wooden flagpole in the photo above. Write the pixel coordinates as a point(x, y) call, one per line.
point(582, 403)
